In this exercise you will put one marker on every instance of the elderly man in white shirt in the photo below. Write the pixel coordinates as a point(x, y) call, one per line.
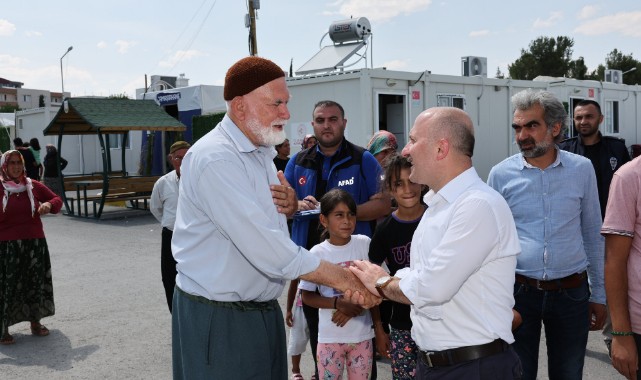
point(231, 241)
point(163, 205)
point(462, 260)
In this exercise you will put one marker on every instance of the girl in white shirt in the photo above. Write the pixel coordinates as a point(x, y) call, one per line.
point(344, 330)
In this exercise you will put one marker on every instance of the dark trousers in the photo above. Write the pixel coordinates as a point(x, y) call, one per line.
point(637, 340)
point(311, 317)
point(167, 266)
point(211, 340)
point(503, 366)
point(564, 315)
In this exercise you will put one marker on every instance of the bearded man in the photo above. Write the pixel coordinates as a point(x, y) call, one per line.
point(555, 204)
point(230, 240)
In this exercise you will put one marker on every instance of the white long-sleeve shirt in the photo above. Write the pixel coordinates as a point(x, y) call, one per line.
point(164, 199)
point(229, 240)
point(462, 264)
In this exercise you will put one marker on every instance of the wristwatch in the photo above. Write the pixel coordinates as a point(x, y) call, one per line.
point(381, 283)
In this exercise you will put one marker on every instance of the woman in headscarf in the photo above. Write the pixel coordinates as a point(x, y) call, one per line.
point(382, 146)
point(26, 289)
point(52, 181)
point(308, 141)
point(34, 147)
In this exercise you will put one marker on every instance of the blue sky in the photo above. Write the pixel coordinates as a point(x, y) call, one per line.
point(115, 43)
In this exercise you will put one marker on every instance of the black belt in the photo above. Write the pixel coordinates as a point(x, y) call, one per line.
point(462, 354)
point(570, 282)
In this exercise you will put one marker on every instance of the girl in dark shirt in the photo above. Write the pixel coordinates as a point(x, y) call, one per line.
point(391, 244)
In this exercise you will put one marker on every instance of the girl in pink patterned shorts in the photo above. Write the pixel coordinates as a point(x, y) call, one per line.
point(344, 330)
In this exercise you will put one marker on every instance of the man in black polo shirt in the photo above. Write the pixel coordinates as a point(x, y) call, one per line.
point(607, 153)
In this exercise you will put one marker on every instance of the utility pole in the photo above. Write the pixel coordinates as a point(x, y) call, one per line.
point(253, 44)
point(62, 77)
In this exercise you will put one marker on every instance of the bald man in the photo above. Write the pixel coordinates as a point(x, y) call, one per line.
point(463, 257)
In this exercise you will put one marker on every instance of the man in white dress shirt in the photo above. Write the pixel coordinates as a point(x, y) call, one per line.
point(462, 260)
point(163, 204)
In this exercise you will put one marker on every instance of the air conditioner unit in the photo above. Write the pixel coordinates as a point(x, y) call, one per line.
point(614, 76)
point(471, 66)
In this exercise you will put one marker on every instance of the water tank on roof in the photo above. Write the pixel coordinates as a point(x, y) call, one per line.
point(353, 29)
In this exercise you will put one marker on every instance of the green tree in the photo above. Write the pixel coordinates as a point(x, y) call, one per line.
point(524, 67)
point(118, 96)
point(547, 56)
point(618, 61)
point(597, 74)
point(9, 108)
point(578, 69)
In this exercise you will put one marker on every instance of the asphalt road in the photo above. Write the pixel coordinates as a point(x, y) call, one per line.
point(111, 317)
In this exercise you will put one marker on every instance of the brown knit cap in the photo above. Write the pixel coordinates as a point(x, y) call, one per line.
point(248, 74)
point(179, 145)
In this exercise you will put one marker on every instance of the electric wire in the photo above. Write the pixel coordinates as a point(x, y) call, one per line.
point(191, 40)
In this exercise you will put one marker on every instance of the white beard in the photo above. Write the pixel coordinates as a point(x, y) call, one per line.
point(267, 136)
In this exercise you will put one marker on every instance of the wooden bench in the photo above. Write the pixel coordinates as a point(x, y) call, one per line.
point(70, 185)
point(133, 189)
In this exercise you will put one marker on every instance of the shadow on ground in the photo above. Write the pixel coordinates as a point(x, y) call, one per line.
point(600, 356)
point(53, 351)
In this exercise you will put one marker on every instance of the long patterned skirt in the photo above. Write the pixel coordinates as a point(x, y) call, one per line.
point(26, 289)
point(53, 183)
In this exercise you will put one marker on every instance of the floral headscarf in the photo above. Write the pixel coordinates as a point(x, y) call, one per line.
point(306, 139)
point(382, 140)
point(10, 186)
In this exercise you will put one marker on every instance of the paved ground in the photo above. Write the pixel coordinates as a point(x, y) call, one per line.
point(111, 318)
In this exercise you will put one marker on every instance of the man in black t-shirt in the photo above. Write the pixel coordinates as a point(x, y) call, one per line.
point(607, 153)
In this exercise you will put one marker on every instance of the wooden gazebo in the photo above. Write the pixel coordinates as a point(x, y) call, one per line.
point(107, 118)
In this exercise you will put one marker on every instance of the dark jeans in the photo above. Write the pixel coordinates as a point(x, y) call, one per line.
point(503, 366)
point(564, 313)
point(167, 266)
point(637, 341)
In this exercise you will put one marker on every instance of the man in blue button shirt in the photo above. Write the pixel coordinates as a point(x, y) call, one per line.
point(554, 200)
